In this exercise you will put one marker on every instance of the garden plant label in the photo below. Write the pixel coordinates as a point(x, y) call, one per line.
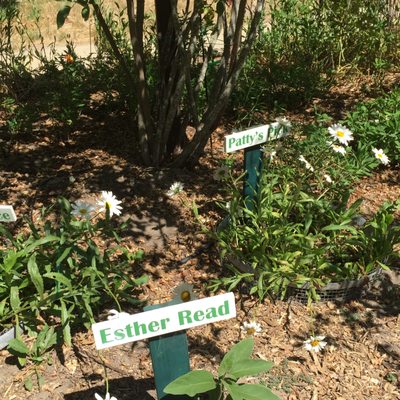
point(7, 214)
point(252, 137)
point(159, 322)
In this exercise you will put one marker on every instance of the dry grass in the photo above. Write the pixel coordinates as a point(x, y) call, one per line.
point(75, 29)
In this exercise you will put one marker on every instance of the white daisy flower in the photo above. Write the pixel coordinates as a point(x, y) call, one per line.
point(271, 154)
point(251, 328)
point(341, 133)
point(328, 178)
point(221, 173)
point(315, 343)
point(108, 200)
point(338, 149)
point(307, 164)
point(381, 156)
point(108, 397)
point(114, 314)
point(174, 189)
point(82, 209)
point(284, 122)
point(184, 292)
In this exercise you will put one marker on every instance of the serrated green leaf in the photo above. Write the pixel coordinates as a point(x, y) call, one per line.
point(239, 352)
point(35, 275)
point(249, 367)
point(192, 383)
point(18, 346)
point(62, 15)
point(256, 392)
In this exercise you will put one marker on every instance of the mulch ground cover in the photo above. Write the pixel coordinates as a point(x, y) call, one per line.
point(362, 358)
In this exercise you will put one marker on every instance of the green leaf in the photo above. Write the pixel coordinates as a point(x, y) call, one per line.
point(18, 346)
point(57, 276)
point(192, 383)
point(239, 352)
point(65, 324)
point(35, 275)
point(47, 239)
point(28, 383)
point(62, 16)
point(85, 13)
point(249, 367)
point(233, 389)
point(63, 255)
point(256, 392)
point(14, 299)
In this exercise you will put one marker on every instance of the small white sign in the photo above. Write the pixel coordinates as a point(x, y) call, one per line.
point(131, 328)
point(7, 214)
point(252, 137)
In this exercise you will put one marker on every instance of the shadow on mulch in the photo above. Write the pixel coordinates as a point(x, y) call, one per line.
point(123, 389)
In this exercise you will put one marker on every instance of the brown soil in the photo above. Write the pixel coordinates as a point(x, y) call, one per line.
point(361, 360)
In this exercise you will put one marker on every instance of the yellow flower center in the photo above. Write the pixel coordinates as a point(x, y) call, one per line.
point(250, 331)
point(315, 343)
point(340, 133)
point(185, 296)
point(83, 211)
point(379, 155)
point(107, 204)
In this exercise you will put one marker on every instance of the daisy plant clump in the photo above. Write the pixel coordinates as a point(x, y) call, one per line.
point(236, 364)
point(61, 273)
point(377, 124)
point(300, 230)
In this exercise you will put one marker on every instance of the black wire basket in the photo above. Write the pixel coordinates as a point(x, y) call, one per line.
point(334, 291)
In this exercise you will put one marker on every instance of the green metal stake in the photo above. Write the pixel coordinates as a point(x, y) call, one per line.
point(252, 167)
point(169, 356)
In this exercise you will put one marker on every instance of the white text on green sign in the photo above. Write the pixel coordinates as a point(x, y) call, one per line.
point(164, 320)
point(7, 214)
point(254, 136)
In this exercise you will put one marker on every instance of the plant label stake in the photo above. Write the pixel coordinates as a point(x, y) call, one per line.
point(169, 353)
point(251, 140)
point(7, 214)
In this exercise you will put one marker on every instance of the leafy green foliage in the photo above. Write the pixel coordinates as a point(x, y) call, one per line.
point(301, 231)
point(304, 45)
point(236, 364)
point(377, 124)
point(56, 278)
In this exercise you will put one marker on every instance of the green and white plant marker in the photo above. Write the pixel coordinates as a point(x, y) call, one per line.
point(7, 214)
point(251, 140)
point(169, 353)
